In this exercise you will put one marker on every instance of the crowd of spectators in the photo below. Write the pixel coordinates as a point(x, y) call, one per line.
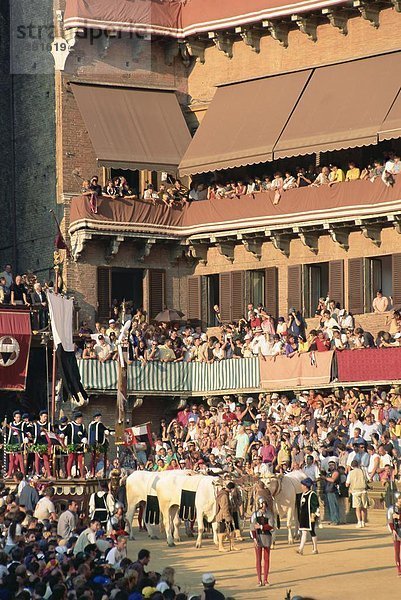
point(70, 556)
point(25, 290)
point(257, 333)
point(172, 192)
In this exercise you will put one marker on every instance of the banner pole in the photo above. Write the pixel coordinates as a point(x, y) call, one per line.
point(54, 366)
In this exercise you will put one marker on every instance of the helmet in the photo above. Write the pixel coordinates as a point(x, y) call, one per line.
point(118, 505)
point(261, 501)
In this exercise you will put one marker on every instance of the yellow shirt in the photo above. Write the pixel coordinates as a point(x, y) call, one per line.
point(337, 176)
point(353, 174)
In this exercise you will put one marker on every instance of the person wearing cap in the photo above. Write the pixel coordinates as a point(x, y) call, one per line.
point(224, 516)
point(308, 515)
point(40, 440)
point(209, 591)
point(61, 451)
point(98, 440)
point(113, 328)
point(76, 439)
point(261, 527)
point(15, 441)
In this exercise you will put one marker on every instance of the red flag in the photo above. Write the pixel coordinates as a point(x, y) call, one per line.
point(15, 343)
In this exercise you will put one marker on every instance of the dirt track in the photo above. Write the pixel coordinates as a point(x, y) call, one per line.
point(353, 564)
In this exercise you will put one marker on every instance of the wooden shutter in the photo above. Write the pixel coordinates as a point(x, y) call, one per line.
point(336, 281)
point(294, 289)
point(157, 282)
point(225, 296)
point(271, 291)
point(356, 286)
point(237, 295)
point(396, 268)
point(103, 293)
point(194, 299)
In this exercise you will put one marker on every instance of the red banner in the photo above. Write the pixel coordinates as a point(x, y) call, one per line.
point(15, 343)
point(369, 364)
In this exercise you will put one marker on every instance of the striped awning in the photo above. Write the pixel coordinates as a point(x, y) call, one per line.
point(159, 378)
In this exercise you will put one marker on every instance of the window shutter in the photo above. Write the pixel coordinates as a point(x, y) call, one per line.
point(336, 281)
point(294, 289)
point(356, 286)
point(157, 281)
point(103, 293)
point(237, 295)
point(225, 296)
point(194, 299)
point(271, 291)
point(396, 268)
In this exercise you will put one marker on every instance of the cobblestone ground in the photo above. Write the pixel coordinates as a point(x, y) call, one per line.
point(354, 564)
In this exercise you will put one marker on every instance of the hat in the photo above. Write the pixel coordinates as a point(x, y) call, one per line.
point(281, 319)
point(258, 330)
point(111, 321)
point(274, 396)
point(16, 412)
point(97, 414)
point(305, 393)
point(249, 400)
point(208, 578)
point(333, 460)
point(77, 414)
point(26, 416)
point(102, 580)
point(296, 429)
point(42, 412)
point(63, 420)
point(191, 420)
point(148, 591)
point(307, 482)
point(380, 402)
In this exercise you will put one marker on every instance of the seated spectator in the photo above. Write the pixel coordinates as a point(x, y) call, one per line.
point(266, 184)
point(380, 303)
point(281, 327)
point(89, 352)
point(291, 347)
point(110, 190)
point(303, 179)
point(353, 172)
point(336, 175)
point(166, 352)
point(94, 185)
point(102, 349)
point(240, 188)
point(376, 171)
point(322, 178)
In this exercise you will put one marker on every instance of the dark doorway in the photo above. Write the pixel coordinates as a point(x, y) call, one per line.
point(132, 178)
point(127, 284)
point(213, 297)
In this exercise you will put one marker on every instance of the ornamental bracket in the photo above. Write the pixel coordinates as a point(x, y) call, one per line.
point(372, 232)
point(308, 25)
point(171, 51)
point(144, 251)
point(198, 252)
point(254, 247)
point(113, 247)
point(226, 249)
point(282, 243)
point(309, 239)
point(223, 42)
point(278, 31)
point(196, 49)
point(250, 36)
point(78, 244)
point(138, 402)
point(341, 237)
point(337, 18)
point(369, 11)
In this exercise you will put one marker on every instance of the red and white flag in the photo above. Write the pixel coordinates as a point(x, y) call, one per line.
point(53, 439)
point(138, 434)
point(15, 343)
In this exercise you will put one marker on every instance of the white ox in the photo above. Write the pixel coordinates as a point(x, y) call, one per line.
point(139, 485)
point(205, 503)
point(284, 489)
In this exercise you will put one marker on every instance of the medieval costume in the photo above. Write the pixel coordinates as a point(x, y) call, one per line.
point(224, 517)
point(76, 441)
point(308, 515)
point(14, 445)
point(394, 518)
point(262, 524)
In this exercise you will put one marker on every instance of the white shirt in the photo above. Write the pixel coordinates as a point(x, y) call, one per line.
point(312, 472)
point(352, 428)
point(44, 508)
point(115, 556)
point(368, 430)
point(371, 465)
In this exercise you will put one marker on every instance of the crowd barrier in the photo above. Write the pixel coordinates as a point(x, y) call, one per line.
point(309, 370)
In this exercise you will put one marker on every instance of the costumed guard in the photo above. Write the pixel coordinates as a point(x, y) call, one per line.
point(262, 525)
point(27, 428)
point(224, 517)
point(308, 514)
point(61, 451)
point(236, 508)
point(101, 506)
point(41, 444)
point(98, 442)
point(14, 445)
point(394, 522)
point(76, 442)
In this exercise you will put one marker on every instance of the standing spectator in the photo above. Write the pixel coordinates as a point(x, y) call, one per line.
point(45, 509)
point(356, 483)
point(380, 303)
point(331, 489)
point(68, 520)
point(8, 276)
point(39, 301)
point(18, 292)
point(353, 172)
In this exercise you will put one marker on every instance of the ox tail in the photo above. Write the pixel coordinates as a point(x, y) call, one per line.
point(278, 522)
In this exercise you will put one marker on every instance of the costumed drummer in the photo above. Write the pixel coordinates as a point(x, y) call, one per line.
point(40, 440)
point(308, 515)
point(14, 445)
point(394, 522)
point(224, 517)
point(261, 527)
point(76, 441)
point(98, 440)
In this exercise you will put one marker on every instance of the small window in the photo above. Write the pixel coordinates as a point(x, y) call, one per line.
point(379, 276)
point(316, 286)
point(257, 284)
point(213, 297)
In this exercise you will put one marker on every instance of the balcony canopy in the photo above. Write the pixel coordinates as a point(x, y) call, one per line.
point(391, 127)
point(243, 123)
point(133, 128)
